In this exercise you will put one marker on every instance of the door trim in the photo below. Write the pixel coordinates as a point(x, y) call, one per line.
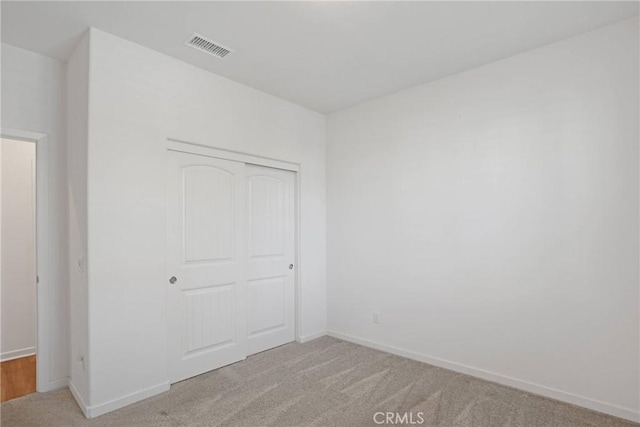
point(239, 156)
point(43, 380)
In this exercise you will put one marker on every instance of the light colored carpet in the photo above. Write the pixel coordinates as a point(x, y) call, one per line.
point(326, 382)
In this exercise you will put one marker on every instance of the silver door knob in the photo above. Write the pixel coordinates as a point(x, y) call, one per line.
point(173, 279)
point(290, 266)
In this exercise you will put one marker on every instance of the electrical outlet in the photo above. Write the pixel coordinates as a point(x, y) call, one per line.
point(376, 317)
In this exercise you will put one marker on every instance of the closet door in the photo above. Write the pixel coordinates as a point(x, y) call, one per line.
point(271, 246)
point(207, 265)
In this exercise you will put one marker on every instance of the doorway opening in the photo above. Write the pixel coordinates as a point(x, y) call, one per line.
point(19, 268)
point(24, 263)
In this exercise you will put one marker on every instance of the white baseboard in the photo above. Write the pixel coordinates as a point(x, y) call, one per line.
point(596, 405)
point(112, 405)
point(311, 337)
point(81, 403)
point(16, 354)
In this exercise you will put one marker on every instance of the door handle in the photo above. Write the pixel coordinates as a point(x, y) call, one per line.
point(290, 266)
point(173, 279)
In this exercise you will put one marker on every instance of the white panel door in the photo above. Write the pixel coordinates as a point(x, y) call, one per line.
point(207, 258)
point(271, 245)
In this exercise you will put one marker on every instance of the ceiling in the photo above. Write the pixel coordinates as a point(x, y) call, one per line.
point(323, 55)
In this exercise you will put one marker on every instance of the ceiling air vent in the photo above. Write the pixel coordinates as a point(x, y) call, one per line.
point(212, 48)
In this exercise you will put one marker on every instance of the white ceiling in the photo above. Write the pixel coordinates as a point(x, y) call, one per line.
point(323, 55)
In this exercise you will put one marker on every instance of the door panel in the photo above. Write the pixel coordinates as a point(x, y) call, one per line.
point(267, 215)
point(266, 304)
point(207, 255)
point(271, 245)
point(208, 210)
point(209, 316)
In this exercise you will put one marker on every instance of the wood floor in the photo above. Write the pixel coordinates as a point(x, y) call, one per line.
point(18, 377)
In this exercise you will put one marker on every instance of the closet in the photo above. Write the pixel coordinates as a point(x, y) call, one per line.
point(230, 261)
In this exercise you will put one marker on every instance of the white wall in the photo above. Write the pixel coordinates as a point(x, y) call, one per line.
point(77, 157)
point(33, 89)
point(19, 243)
point(138, 99)
point(491, 217)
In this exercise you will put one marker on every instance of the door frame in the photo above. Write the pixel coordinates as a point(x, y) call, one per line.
point(42, 252)
point(238, 156)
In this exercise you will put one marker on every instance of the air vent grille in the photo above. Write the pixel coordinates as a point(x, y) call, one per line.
point(205, 45)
